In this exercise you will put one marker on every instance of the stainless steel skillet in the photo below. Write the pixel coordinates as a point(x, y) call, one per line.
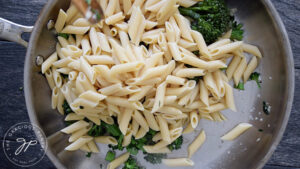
point(252, 150)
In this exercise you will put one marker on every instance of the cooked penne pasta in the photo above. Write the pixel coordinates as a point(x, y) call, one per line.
point(176, 162)
point(144, 71)
point(236, 131)
point(196, 144)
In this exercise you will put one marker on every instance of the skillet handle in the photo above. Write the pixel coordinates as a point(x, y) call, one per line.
point(12, 32)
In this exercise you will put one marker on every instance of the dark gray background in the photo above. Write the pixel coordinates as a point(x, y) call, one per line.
point(12, 102)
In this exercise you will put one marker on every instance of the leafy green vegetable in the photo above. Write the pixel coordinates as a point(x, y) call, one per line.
point(132, 150)
point(175, 145)
point(88, 154)
point(154, 158)
point(110, 156)
point(96, 130)
point(69, 122)
point(131, 163)
point(212, 18)
point(240, 86)
point(255, 76)
point(119, 145)
point(225, 68)
point(196, 52)
point(67, 108)
point(237, 31)
point(196, 78)
point(112, 129)
point(64, 35)
point(266, 108)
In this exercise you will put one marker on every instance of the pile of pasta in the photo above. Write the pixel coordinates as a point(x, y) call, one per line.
point(111, 72)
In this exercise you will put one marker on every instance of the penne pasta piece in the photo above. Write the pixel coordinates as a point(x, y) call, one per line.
point(236, 131)
point(252, 50)
point(238, 73)
point(75, 126)
point(151, 121)
point(176, 162)
point(149, 149)
point(124, 122)
point(75, 30)
point(93, 147)
point(94, 41)
point(73, 116)
point(250, 68)
point(48, 62)
point(197, 143)
point(60, 21)
point(49, 77)
point(138, 117)
point(79, 143)
point(54, 98)
point(184, 27)
point(118, 161)
point(77, 134)
point(159, 97)
point(232, 66)
point(164, 129)
point(229, 99)
point(113, 19)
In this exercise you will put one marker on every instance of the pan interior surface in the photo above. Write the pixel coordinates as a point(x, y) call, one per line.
point(250, 150)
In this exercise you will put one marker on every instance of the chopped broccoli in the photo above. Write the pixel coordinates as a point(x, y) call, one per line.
point(65, 76)
point(69, 122)
point(112, 129)
point(132, 150)
point(196, 52)
point(255, 76)
point(212, 18)
point(237, 31)
point(131, 163)
point(110, 156)
point(240, 86)
point(66, 108)
point(96, 130)
point(88, 155)
point(175, 145)
point(64, 35)
point(119, 145)
point(154, 158)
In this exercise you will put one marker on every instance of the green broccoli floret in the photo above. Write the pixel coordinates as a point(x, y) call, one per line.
point(255, 76)
point(175, 145)
point(64, 35)
point(212, 18)
point(67, 108)
point(240, 86)
point(96, 130)
point(110, 156)
point(131, 163)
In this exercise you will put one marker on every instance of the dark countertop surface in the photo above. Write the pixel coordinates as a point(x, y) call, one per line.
point(12, 101)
